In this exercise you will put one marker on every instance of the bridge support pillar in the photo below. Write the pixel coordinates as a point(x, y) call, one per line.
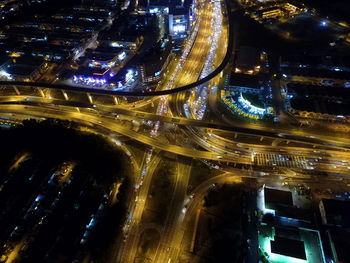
point(16, 90)
point(275, 142)
point(115, 100)
point(41, 92)
point(261, 138)
point(90, 98)
point(65, 95)
point(236, 135)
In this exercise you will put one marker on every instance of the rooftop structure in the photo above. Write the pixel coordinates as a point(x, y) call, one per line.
point(332, 63)
point(11, 8)
point(280, 203)
point(23, 69)
point(167, 3)
point(277, 10)
point(247, 95)
point(335, 212)
point(244, 82)
point(124, 39)
point(331, 73)
point(155, 61)
point(291, 244)
point(247, 61)
point(339, 241)
point(288, 247)
point(332, 100)
point(277, 198)
point(179, 22)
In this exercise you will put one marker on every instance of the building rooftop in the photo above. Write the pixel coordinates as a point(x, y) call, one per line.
point(275, 198)
point(288, 247)
point(247, 57)
point(3, 59)
point(319, 73)
point(320, 106)
point(176, 11)
point(90, 72)
point(244, 80)
point(97, 55)
point(336, 212)
point(28, 61)
point(167, 3)
point(20, 70)
point(294, 212)
point(304, 90)
point(321, 99)
point(119, 36)
point(316, 61)
point(155, 58)
point(340, 244)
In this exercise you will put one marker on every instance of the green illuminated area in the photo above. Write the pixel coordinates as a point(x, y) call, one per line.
point(312, 242)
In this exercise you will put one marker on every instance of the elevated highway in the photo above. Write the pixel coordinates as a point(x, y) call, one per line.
point(309, 139)
point(243, 156)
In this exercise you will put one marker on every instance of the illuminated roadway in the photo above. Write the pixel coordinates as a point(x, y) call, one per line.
point(251, 129)
point(129, 248)
point(171, 236)
point(209, 140)
point(233, 152)
point(171, 242)
point(209, 137)
point(219, 147)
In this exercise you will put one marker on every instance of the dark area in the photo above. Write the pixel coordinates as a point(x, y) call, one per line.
point(45, 8)
point(222, 239)
point(308, 36)
point(321, 99)
point(338, 9)
point(56, 220)
point(275, 197)
point(160, 187)
point(261, 38)
point(283, 246)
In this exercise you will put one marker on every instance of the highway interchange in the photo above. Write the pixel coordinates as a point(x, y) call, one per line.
point(162, 124)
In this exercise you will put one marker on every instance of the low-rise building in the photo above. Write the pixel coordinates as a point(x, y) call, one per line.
point(23, 69)
point(274, 199)
point(282, 246)
point(247, 60)
point(291, 236)
point(339, 241)
point(179, 22)
point(280, 204)
point(120, 39)
point(105, 57)
point(335, 212)
point(244, 83)
point(318, 100)
point(179, 15)
point(155, 61)
point(290, 244)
